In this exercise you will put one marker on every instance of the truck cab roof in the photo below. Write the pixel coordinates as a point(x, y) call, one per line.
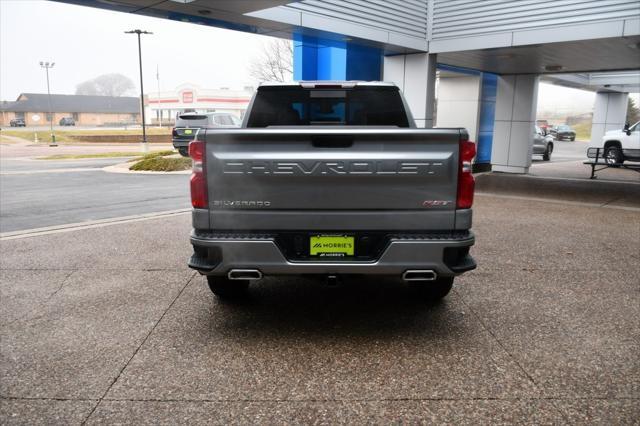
point(310, 84)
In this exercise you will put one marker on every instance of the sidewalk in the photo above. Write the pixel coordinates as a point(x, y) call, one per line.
point(578, 170)
point(599, 192)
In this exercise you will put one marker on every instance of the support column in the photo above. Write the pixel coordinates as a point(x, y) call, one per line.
point(609, 113)
point(415, 75)
point(516, 102)
point(458, 102)
point(486, 121)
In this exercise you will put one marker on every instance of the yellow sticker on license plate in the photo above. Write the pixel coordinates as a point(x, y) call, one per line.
point(188, 131)
point(331, 245)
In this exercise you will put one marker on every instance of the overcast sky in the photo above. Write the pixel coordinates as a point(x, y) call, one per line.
point(85, 42)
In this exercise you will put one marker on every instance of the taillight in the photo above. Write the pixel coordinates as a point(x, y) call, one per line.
point(466, 183)
point(174, 132)
point(199, 197)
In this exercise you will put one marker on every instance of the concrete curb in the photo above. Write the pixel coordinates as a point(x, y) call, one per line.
point(597, 192)
point(124, 168)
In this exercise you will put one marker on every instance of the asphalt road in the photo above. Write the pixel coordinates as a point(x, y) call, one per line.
point(565, 151)
point(40, 193)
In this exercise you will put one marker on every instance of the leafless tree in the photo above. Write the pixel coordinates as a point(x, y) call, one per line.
point(113, 84)
point(275, 63)
point(633, 112)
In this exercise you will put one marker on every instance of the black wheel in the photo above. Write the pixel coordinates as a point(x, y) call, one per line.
point(184, 151)
point(433, 290)
point(547, 153)
point(613, 156)
point(225, 288)
point(572, 139)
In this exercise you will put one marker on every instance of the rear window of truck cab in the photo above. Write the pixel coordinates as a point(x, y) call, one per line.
point(357, 106)
point(192, 120)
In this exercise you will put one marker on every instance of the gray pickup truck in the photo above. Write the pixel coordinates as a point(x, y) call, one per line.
point(331, 179)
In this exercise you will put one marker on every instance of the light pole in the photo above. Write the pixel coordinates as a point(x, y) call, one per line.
point(46, 66)
point(159, 109)
point(145, 147)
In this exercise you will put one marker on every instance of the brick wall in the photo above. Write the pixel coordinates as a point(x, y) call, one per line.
point(83, 118)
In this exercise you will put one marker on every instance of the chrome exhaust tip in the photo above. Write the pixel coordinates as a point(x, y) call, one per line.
point(244, 274)
point(419, 275)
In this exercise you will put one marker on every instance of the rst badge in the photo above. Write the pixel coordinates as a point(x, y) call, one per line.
point(435, 203)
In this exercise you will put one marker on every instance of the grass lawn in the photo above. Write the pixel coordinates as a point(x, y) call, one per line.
point(159, 163)
point(6, 140)
point(44, 135)
point(583, 131)
point(94, 155)
point(154, 155)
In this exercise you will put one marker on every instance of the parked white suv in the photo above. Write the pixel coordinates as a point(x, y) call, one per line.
point(621, 145)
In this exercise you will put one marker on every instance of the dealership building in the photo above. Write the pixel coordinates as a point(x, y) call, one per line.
point(163, 107)
point(37, 109)
point(490, 55)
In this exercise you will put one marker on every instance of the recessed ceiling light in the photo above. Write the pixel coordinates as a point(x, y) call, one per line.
point(553, 68)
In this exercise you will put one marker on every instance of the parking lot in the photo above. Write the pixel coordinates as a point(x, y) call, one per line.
point(365, 150)
point(108, 325)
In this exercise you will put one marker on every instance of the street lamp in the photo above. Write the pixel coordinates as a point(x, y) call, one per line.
point(46, 66)
point(145, 147)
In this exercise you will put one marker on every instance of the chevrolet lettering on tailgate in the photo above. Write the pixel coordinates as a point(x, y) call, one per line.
point(319, 168)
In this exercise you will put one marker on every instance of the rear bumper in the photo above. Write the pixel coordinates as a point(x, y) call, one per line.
point(447, 255)
point(181, 143)
point(565, 136)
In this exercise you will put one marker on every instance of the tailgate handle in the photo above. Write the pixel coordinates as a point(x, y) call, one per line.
point(333, 141)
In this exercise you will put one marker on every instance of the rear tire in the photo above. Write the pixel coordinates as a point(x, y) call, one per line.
point(433, 290)
point(227, 289)
point(184, 151)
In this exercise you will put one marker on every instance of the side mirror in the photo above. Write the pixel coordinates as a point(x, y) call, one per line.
point(628, 132)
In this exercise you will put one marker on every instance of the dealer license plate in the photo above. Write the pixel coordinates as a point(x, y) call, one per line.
point(331, 245)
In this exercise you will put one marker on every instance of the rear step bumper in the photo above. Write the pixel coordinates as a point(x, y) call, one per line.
point(219, 254)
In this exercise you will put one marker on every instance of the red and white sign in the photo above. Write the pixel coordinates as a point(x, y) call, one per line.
point(187, 97)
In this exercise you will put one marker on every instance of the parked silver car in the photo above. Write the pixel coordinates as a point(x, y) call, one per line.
point(542, 144)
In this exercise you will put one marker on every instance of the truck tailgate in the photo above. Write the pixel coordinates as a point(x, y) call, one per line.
point(328, 178)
